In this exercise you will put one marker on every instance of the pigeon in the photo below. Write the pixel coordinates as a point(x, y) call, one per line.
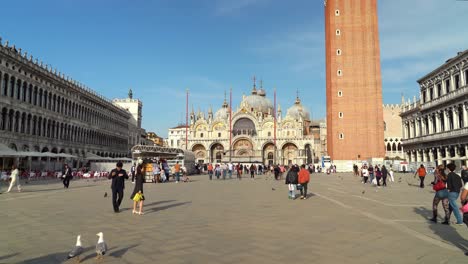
point(77, 250)
point(273, 189)
point(105, 194)
point(101, 246)
point(363, 191)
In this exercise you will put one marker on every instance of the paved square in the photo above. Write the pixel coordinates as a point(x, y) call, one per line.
point(247, 221)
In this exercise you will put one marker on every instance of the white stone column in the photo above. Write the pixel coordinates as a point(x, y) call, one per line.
point(455, 113)
point(447, 154)
point(457, 155)
point(431, 124)
point(446, 120)
point(417, 128)
point(462, 76)
point(465, 115)
point(431, 155)
point(437, 121)
point(439, 156)
point(452, 80)
point(423, 126)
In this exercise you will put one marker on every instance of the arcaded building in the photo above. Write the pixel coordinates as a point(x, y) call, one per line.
point(436, 126)
point(42, 111)
point(355, 125)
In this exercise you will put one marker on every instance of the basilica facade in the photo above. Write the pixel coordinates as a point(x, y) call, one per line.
point(252, 133)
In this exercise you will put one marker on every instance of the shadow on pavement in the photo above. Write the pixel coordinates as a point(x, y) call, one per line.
point(54, 189)
point(8, 256)
point(119, 253)
point(58, 257)
point(446, 232)
point(159, 202)
point(156, 209)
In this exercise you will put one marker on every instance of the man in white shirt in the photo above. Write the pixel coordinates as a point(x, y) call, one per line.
point(230, 167)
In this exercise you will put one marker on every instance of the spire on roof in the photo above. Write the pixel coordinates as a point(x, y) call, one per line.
point(254, 90)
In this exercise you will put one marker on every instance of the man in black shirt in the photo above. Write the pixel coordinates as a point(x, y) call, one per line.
point(454, 184)
point(464, 174)
point(118, 177)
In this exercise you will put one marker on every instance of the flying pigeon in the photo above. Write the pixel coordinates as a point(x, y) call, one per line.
point(77, 250)
point(105, 194)
point(101, 246)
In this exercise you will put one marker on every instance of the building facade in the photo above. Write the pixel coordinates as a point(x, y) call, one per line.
point(44, 111)
point(176, 136)
point(155, 139)
point(136, 134)
point(353, 80)
point(436, 127)
point(393, 132)
point(256, 135)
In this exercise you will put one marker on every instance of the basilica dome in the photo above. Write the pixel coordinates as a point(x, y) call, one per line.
point(298, 110)
point(223, 112)
point(258, 102)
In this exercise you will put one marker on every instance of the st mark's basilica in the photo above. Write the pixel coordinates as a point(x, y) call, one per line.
point(253, 133)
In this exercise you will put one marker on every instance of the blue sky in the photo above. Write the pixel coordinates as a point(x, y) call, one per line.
point(160, 48)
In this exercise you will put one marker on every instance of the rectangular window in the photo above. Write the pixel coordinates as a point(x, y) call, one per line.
point(466, 77)
point(424, 96)
point(439, 89)
point(219, 134)
point(447, 85)
point(457, 81)
point(431, 93)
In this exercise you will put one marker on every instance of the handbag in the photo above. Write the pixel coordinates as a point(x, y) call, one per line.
point(464, 208)
point(440, 185)
point(299, 187)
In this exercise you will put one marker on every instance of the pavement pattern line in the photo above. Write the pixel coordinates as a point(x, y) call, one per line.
point(387, 204)
point(397, 226)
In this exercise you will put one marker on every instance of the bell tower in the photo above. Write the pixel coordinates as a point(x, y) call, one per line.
point(353, 80)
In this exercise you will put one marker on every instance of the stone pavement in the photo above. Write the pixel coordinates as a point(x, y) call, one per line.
point(247, 221)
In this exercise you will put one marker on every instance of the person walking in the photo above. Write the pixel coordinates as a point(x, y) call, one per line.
point(291, 181)
point(137, 195)
point(66, 175)
point(276, 170)
point(239, 171)
point(14, 176)
point(378, 175)
point(392, 179)
point(177, 171)
point(440, 195)
point(384, 175)
point(132, 172)
point(421, 172)
point(118, 176)
point(252, 171)
point(230, 167)
point(304, 178)
point(365, 174)
point(371, 173)
point(210, 171)
point(454, 185)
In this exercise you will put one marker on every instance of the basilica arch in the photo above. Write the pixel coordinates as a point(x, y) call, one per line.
point(200, 152)
point(268, 153)
point(216, 152)
point(244, 126)
point(243, 147)
point(289, 153)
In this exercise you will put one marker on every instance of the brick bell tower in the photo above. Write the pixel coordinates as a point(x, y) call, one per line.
point(355, 125)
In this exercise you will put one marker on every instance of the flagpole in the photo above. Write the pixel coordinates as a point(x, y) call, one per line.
point(186, 120)
point(274, 125)
point(230, 124)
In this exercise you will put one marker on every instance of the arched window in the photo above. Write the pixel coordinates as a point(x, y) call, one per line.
point(389, 148)
point(12, 86)
point(384, 126)
point(399, 147)
point(394, 147)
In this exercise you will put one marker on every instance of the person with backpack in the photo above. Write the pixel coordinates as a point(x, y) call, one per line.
point(291, 181)
point(440, 195)
point(421, 172)
point(304, 177)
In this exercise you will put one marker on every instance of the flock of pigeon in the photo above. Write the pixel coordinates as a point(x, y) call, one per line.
point(101, 248)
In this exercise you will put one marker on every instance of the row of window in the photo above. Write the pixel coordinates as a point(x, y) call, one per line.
point(22, 91)
point(444, 87)
point(30, 124)
point(451, 122)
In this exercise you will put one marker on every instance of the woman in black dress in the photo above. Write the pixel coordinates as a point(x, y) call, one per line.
point(137, 195)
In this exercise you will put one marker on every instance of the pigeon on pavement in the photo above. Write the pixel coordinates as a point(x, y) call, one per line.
point(101, 246)
point(105, 194)
point(77, 250)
